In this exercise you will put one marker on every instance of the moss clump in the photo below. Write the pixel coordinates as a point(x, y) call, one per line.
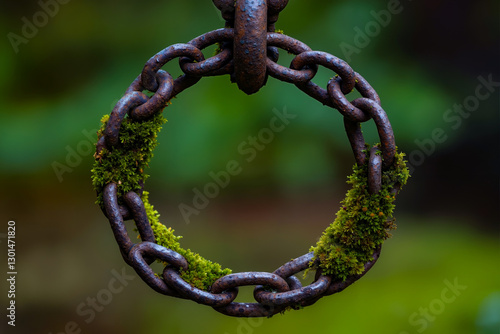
point(362, 224)
point(201, 273)
point(125, 165)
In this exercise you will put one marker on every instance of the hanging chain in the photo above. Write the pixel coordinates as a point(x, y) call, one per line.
point(249, 52)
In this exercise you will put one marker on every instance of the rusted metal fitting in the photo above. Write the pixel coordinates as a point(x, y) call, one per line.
point(250, 45)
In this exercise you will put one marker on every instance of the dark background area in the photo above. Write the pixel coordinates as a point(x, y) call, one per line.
point(427, 60)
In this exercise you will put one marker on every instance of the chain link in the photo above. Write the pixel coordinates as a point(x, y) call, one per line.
point(277, 291)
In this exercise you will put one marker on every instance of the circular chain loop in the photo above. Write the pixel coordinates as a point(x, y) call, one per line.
point(274, 292)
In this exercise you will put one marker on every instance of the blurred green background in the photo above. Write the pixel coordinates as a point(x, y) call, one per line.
point(57, 81)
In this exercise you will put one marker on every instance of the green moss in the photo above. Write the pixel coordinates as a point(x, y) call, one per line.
point(125, 165)
point(201, 272)
point(362, 224)
point(218, 48)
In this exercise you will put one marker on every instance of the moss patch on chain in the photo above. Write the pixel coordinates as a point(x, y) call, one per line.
point(362, 223)
point(202, 273)
point(125, 165)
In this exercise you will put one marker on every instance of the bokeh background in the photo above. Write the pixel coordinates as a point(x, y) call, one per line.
point(56, 85)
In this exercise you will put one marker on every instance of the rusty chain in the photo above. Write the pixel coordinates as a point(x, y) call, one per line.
point(249, 51)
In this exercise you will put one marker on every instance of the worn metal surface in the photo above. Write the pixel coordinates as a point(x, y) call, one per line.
point(374, 170)
point(249, 52)
point(250, 30)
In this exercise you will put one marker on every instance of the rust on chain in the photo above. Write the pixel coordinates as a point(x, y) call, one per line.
point(148, 76)
point(147, 250)
point(374, 171)
point(340, 102)
point(384, 128)
point(125, 105)
point(292, 46)
point(329, 61)
point(248, 52)
point(250, 310)
point(250, 31)
point(250, 278)
point(159, 100)
point(219, 64)
point(139, 215)
point(173, 279)
point(115, 218)
point(293, 297)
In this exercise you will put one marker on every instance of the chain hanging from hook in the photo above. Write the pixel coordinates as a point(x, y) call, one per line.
point(249, 51)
